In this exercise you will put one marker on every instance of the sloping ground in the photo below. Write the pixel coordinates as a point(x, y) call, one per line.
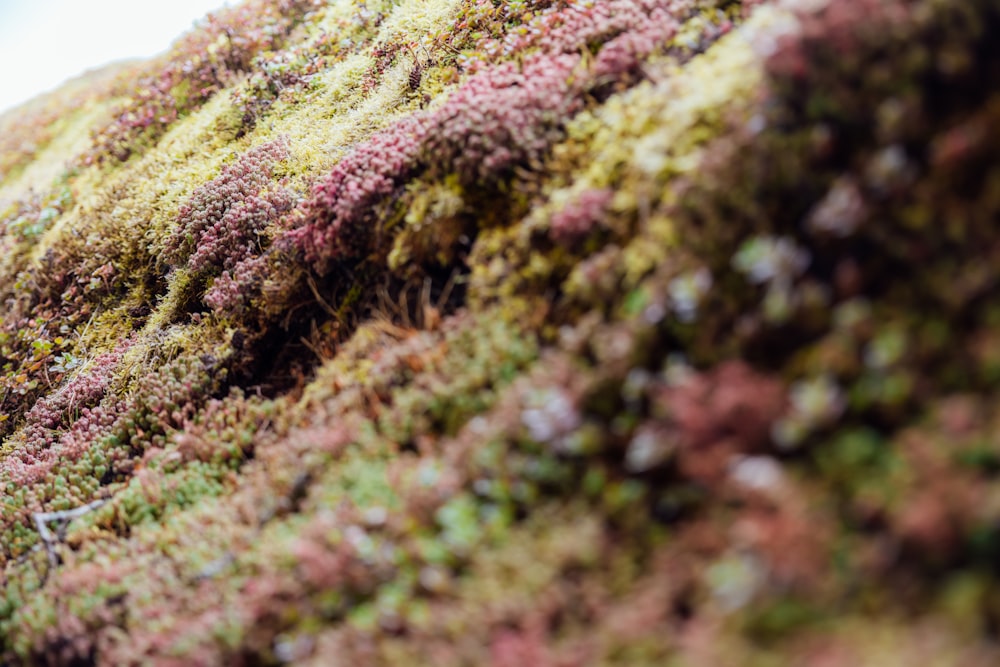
point(471, 332)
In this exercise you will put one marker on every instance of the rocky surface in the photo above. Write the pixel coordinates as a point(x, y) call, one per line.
point(509, 332)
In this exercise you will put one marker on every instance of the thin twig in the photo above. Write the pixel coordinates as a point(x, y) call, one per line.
point(50, 539)
point(322, 302)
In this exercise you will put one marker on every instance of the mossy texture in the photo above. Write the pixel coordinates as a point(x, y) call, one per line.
point(509, 332)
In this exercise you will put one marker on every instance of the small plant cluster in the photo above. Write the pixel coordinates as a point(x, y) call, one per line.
point(195, 460)
point(280, 74)
point(578, 219)
point(34, 362)
point(337, 220)
point(82, 390)
point(96, 444)
point(201, 64)
point(232, 290)
point(566, 27)
point(383, 56)
point(225, 223)
point(283, 74)
point(224, 431)
point(505, 116)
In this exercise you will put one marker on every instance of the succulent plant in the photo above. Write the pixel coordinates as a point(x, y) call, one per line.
point(508, 332)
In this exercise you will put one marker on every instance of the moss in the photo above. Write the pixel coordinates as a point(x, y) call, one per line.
point(511, 333)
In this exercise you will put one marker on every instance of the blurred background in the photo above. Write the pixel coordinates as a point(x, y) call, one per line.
point(45, 42)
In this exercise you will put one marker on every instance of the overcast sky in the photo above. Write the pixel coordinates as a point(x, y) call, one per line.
point(45, 42)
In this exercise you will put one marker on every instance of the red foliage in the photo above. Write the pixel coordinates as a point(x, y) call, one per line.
point(714, 415)
point(580, 217)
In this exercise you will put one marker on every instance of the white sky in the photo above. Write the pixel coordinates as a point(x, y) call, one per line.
point(46, 42)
